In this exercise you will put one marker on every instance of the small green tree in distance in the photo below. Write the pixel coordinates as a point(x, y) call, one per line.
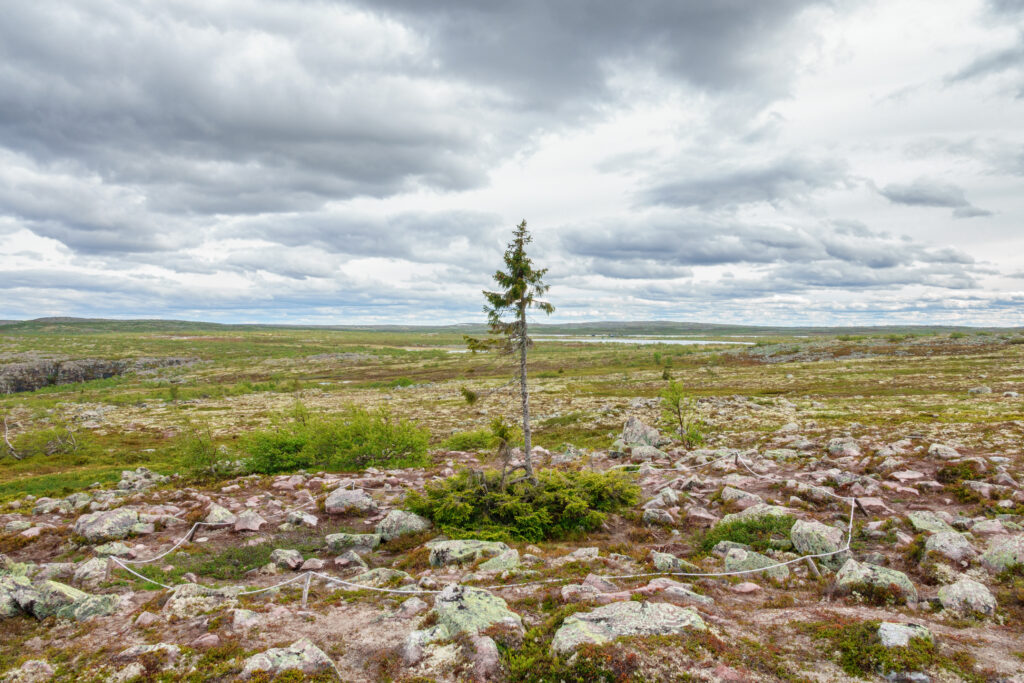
point(520, 286)
point(679, 412)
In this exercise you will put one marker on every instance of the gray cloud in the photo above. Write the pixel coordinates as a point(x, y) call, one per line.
point(929, 192)
point(781, 179)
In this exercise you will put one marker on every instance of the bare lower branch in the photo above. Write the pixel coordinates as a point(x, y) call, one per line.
point(11, 450)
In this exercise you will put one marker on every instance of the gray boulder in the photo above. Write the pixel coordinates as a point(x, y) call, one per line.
point(929, 522)
point(350, 501)
point(381, 577)
point(757, 512)
point(90, 574)
point(844, 447)
point(463, 552)
point(1004, 552)
point(286, 559)
point(811, 537)
point(106, 525)
point(302, 656)
point(967, 596)
point(217, 514)
point(854, 574)
point(737, 560)
point(341, 542)
point(951, 545)
point(401, 523)
point(636, 433)
point(891, 634)
point(249, 520)
point(629, 618)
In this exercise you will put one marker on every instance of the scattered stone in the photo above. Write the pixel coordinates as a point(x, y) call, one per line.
point(656, 516)
point(302, 656)
point(1004, 552)
point(340, 542)
point(286, 559)
point(899, 635)
point(635, 432)
point(381, 577)
point(665, 562)
point(299, 517)
point(205, 641)
point(146, 619)
point(32, 671)
point(219, 515)
point(350, 501)
point(940, 450)
point(108, 525)
point(91, 573)
point(811, 537)
point(506, 561)
point(463, 552)
point(737, 560)
point(746, 588)
point(249, 521)
point(844, 447)
point(757, 512)
point(979, 390)
point(923, 520)
point(951, 545)
point(967, 596)
point(629, 618)
point(401, 523)
point(854, 574)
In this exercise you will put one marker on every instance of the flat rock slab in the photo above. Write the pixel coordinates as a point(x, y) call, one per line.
point(854, 574)
point(928, 522)
point(401, 523)
point(463, 552)
point(629, 618)
point(302, 655)
point(967, 597)
point(109, 525)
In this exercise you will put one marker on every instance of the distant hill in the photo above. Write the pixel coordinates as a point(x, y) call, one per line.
point(69, 325)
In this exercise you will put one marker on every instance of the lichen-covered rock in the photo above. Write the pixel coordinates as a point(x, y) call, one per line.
point(756, 512)
point(349, 501)
point(891, 634)
point(302, 655)
point(656, 516)
point(106, 525)
point(114, 548)
point(629, 618)
point(1004, 552)
point(217, 514)
point(643, 452)
point(926, 521)
point(738, 560)
point(967, 596)
point(463, 609)
point(55, 596)
point(140, 479)
point(90, 574)
point(401, 523)
point(951, 545)
point(506, 561)
point(941, 450)
point(190, 599)
point(381, 577)
point(463, 552)
point(286, 559)
point(341, 542)
point(844, 447)
point(635, 432)
point(16, 594)
point(854, 574)
point(32, 671)
point(666, 562)
point(301, 518)
point(811, 537)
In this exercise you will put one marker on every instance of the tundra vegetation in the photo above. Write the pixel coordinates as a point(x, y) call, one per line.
point(671, 483)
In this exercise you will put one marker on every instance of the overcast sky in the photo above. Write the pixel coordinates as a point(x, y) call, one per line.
point(769, 161)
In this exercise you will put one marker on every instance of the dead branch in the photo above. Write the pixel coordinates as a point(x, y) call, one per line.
point(11, 450)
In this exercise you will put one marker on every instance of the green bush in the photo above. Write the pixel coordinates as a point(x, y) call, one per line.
point(560, 505)
point(756, 532)
point(476, 440)
point(197, 452)
point(355, 440)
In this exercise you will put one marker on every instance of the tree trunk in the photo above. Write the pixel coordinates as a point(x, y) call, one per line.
point(524, 393)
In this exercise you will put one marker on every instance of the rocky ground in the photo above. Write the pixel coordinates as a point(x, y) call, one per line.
point(915, 525)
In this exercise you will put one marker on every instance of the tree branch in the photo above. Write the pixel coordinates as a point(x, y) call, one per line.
point(11, 450)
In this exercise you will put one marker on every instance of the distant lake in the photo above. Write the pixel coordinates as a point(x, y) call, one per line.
point(636, 340)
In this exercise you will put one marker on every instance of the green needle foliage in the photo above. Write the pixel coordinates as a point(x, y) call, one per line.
point(679, 413)
point(559, 505)
point(520, 285)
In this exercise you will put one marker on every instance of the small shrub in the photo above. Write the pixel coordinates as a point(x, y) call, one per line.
point(679, 412)
point(954, 474)
point(469, 395)
point(560, 505)
point(197, 452)
point(353, 441)
point(861, 652)
point(756, 532)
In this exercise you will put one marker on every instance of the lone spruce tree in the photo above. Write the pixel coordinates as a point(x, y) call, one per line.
point(520, 285)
